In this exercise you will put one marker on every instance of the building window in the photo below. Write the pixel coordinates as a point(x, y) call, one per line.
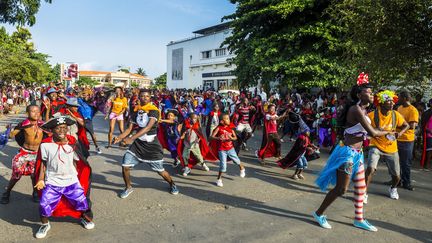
point(206, 54)
point(220, 52)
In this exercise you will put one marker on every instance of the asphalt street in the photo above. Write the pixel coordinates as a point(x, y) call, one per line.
point(265, 206)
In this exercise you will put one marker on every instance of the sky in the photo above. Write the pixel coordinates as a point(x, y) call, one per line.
point(105, 34)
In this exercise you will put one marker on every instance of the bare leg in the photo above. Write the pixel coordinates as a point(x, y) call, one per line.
point(121, 126)
point(11, 185)
point(111, 131)
point(342, 182)
point(44, 220)
point(167, 177)
point(220, 175)
point(126, 176)
point(93, 136)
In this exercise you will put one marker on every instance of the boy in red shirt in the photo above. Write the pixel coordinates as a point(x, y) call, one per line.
point(224, 136)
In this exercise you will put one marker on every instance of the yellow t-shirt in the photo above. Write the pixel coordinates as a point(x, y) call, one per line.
point(385, 123)
point(410, 114)
point(118, 104)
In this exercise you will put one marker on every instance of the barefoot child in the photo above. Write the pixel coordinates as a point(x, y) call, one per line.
point(222, 140)
point(28, 135)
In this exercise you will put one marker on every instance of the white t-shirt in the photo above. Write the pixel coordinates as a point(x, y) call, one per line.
point(60, 168)
point(263, 96)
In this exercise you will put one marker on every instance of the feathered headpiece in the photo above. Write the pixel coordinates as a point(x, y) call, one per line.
point(386, 95)
point(363, 78)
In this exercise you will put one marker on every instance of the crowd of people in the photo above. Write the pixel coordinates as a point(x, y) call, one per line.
point(197, 127)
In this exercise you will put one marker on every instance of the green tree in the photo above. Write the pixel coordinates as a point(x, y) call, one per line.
point(86, 81)
point(141, 72)
point(294, 42)
point(19, 61)
point(392, 40)
point(134, 84)
point(160, 81)
point(21, 12)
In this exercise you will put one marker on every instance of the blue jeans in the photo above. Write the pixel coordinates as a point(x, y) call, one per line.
point(302, 162)
point(405, 150)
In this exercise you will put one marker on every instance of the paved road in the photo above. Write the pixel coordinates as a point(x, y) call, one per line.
point(266, 206)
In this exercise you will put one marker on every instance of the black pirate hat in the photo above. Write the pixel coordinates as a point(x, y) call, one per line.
point(56, 121)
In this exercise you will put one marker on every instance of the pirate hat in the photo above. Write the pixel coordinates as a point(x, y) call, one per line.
point(174, 111)
point(52, 90)
point(72, 102)
point(56, 121)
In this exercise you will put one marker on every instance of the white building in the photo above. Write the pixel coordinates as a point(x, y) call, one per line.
point(200, 61)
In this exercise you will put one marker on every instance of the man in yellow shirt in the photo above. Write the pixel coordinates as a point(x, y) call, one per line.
point(385, 147)
point(406, 140)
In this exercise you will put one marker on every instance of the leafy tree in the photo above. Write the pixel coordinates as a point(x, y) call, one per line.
point(19, 60)
point(294, 42)
point(86, 81)
point(134, 84)
point(160, 81)
point(21, 12)
point(122, 69)
point(392, 40)
point(141, 72)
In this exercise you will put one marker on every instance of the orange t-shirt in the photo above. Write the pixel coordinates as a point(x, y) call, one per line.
point(385, 123)
point(118, 104)
point(410, 114)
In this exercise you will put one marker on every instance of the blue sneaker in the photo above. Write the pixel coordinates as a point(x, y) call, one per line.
point(174, 190)
point(365, 225)
point(322, 221)
point(125, 193)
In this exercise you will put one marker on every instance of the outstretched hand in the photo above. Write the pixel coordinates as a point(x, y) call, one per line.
point(40, 185)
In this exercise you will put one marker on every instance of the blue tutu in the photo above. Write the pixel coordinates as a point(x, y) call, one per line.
point(341, 154)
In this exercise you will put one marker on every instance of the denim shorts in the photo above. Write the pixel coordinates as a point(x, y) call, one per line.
point(130, 160)
point(223, 156)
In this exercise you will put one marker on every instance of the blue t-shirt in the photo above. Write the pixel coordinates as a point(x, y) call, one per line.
point(87, 111)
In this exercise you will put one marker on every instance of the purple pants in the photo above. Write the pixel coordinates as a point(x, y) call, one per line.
point(51, 196)
point(324, 137)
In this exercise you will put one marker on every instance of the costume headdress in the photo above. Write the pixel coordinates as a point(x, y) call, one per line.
point(386, 95)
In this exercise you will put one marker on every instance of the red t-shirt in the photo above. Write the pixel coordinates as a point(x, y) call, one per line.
point(272, 126)
point(225, 132)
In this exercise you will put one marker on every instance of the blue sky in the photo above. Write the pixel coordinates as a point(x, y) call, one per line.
point(103, 34)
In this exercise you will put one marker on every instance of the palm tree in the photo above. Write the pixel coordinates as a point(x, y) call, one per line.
point(141, 72)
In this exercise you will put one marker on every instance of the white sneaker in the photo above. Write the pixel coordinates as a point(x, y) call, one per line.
point(365, 199)
point(43, 230)
point(242, 173)
point(205, 167)
point(393, 193)
point(219, 183)
point(282, 141)
point(186, 171)
point(295, 177)
point(87, 225)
